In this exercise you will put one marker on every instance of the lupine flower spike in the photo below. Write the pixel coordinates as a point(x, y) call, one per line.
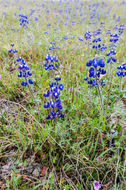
point(93, 78)
point(23, 20)
point(54, 104)
point(121, 70)
point(12, 50)
point(24, 72)
point(51, 63)
point(95, 71)
point(121, 73)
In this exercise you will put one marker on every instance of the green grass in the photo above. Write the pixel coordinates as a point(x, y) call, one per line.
point(68, 147)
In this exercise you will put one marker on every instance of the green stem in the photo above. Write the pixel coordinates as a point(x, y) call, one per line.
point(106, 108)
point(101, 100)
point(100, 95)
point(120, 86)
point(32, 93)
point(89, 98)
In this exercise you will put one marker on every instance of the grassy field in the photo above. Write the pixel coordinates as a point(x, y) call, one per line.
point(83, 144)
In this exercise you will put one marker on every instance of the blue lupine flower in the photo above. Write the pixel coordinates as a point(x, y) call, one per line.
point(111, 52)
point(12, 50)
point(121, 70)
point(97, 41)
point(88, 64)
point(65, 37)
point(51, 62)
point(57, 78)
point(86, 78)
point(53, 46)
point(47, 105)
point(53, 93)
point(61, 86)
point(55, 103)
point(52, 103)
point(46, 32)
point(113, 39)
point(23, 20)
point(109, 59)
point(36, 18)
point(30, 81)
point(121, 29)
point(24, 72)
point(108, 32)
point(96, 69)
point(24, 83)
point(49, 24)
point(114, 16)
point(87, 35)
point(113, 59)
point(53, 43)
point(97, 32)
point(102, 83)
point(101, 63)
point(118, 19)
point(47, 94)
point(95, 63)
point(79, 38)
point(48, 117)
point(12, 45)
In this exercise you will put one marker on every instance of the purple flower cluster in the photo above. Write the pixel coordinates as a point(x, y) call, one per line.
point(87, 35)
point(55, 103)
point(114, 38)
point(53, 46)
point(96, 69)
point(51, 62)
point(97, 32)
point(121, 29)
point(97, 41)
point(23, 20)
point(24, 72)
point(12, 50)
point(79, 38)
point(110, 54)
point(121, 70)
